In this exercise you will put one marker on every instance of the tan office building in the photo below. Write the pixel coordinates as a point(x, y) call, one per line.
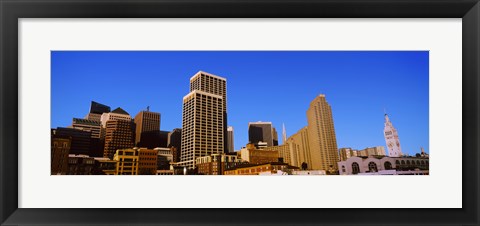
point(321, 134)
point(127, 161)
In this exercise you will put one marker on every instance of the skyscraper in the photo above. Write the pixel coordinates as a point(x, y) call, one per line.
point(147, 133)
point(260, 132)
point(213, 84)
point(275, 136)
point(203, 120)
point(391, 139)
point(321, 135)
point(284, 134)
point(118, 135)
point(230, 139)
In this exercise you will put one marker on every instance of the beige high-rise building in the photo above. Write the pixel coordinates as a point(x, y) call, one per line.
point(299, 147)
point(321, 134)
point(217, 85)
point(203, 120)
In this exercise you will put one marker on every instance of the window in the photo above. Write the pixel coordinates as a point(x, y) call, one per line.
point(372, 167)
point(355, 168)
point(343, 169)
point(387, 165)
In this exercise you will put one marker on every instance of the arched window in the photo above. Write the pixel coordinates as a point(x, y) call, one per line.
point(388, 165)
point(372, 167)
point(422, 162)
point(343, 169)
point(408, 162)
point(355, 168)
point(418, 162)
point(397, 162)
point(403, 162)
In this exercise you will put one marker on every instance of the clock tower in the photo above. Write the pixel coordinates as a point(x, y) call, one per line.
point(391, 139)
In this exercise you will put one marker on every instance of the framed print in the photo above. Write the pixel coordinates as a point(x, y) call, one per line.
point(285, 112)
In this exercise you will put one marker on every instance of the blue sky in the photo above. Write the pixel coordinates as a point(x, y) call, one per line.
point(274, 86)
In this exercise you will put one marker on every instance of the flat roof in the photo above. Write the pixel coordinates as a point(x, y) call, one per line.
point(206, 73)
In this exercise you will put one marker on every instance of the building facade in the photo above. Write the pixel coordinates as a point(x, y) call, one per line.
point(253, 155)
point(60, 149)
point(283, 152)
point(260, 132)
point(80, 140)
point(127, 161)
point(147, 161)
point(165, 156)
point(117, 114)
point(272, 168)
point(391, 139)
point(383, 165)
point(80, 165)
point(175, 141)
point(231, 144)
point(203, 125)
point(213, 84)
point(216, 164)
point(346, 153)
point(321, 135)
point(147, 126)
point(118, 135)
point(299, 147)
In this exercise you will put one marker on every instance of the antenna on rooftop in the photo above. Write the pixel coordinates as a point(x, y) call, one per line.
point(148, 108)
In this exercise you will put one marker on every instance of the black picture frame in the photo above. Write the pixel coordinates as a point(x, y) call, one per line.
point(12, 10)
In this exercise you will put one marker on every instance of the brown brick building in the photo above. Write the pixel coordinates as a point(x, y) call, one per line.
point(216, 164)
point(147, 161)
point(118, 135)
point(147, 129)
point(60, 148)
point(256, 169)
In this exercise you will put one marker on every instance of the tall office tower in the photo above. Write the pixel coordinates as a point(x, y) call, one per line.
point(203, 121)
point(117, 114)
point(391, 138)
point(175, 141)
point(119, 135)
point(300, 148)
point(275, 136)
point(213, 84)
point(284, 134)
point(147, 126)
point(230, 139)
point(96, 111)
point(260, 132)
point(321, 134)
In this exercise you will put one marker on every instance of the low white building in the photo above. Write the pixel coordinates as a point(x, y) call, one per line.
point(383, 165)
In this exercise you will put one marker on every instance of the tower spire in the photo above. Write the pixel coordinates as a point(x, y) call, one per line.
point(284, 134)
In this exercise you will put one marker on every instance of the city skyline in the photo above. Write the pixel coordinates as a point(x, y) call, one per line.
point(133, 81)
